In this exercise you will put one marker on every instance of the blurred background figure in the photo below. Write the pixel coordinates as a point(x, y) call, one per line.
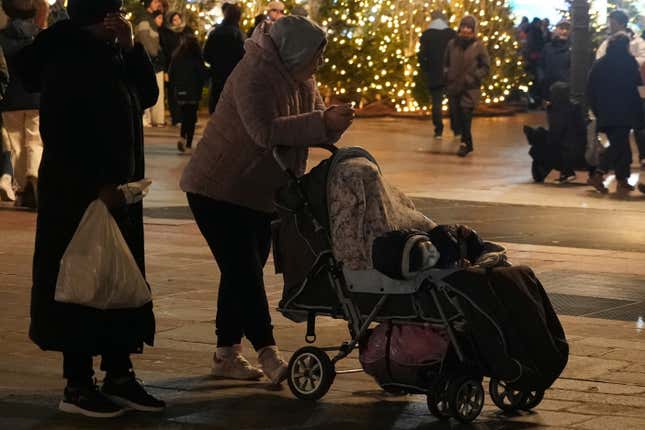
point(170, 37)
point(188, 74)
point(20, 107)
point(275, 10)
point(259, 19)
point(57, 12)
point(223, 50)
point(146, 32)
point(556, 58)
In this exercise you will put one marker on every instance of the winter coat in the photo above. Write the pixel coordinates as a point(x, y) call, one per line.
point(613, 91)
point(466, 68)
point(261, 107)
point(188, 76)
point(146, 33)
point(18, 35)
point(636, 47)
point(432, 51)
point(169, 38)
point(93, 97)
point(556, 63)
point(224, 48)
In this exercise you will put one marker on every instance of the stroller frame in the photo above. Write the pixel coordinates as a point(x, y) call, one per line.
point(311, 372)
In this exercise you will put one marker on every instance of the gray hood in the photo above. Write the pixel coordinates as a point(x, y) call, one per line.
point(297, 39)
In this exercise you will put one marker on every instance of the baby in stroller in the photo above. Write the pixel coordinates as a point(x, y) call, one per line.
point(353, 247)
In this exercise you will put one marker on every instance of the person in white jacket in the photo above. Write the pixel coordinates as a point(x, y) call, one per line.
point(618, 21)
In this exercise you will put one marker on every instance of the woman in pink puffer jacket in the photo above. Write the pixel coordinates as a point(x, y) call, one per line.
point(271, 99)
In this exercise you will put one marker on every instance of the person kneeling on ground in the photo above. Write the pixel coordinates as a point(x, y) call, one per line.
point(94, 84)
point(232, 178)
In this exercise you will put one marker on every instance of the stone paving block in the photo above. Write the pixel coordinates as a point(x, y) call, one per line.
point(618, 423)
point(590, 367)
point(590, 397)
point(597, 387)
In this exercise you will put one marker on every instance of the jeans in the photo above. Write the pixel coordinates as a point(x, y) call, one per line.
point(619, 154)
point(78, 368)
point(188, 122)
point(240, 239)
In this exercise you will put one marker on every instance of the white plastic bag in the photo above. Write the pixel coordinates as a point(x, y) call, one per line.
point(98, 269)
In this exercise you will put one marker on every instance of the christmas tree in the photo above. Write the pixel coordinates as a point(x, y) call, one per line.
point(373, 44)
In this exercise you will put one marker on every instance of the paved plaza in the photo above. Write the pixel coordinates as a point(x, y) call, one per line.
point(588, 250)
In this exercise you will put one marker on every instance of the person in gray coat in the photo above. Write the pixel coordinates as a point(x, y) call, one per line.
point(466, 65)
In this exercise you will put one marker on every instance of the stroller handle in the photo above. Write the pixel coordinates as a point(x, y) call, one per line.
point(282, 164)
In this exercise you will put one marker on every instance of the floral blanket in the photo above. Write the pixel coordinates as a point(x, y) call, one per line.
point(362, 207)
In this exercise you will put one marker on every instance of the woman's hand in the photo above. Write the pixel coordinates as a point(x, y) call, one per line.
point(338, 118)
point(121, 28)
point(112, 197)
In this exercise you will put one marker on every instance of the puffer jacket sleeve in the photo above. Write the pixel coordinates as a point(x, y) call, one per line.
point(483, 62)
point(257, 108)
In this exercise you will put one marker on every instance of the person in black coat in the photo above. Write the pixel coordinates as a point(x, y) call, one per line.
point(534, 46)
point(432, 51)
point(188, 74)
point(556, 58)
point(223, 50)
point(615, 101)
point(170, 36)
point(94, 84)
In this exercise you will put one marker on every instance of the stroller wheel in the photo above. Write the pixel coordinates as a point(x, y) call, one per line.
point(504, 397)
point(465, 399)
point(531, 400)
point(311, 373)
point(438, 407)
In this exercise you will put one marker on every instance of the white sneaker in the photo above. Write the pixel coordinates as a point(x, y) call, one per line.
point(235, 366)
point(6, 189)
point(273, 366)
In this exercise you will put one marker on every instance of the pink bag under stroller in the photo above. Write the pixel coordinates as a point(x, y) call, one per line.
point(411, 348)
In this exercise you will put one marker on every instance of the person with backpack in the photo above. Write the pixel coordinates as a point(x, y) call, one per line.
point(188, 74)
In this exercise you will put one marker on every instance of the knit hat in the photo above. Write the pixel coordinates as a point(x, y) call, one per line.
point(88, 12)
point(563, 24)
point(275, 5)
point(470, 22)
point(297, 39)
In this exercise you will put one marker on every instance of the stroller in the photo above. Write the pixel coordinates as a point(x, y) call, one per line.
point(498, 321)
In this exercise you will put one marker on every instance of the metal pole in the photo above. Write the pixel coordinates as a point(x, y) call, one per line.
point(581, 55)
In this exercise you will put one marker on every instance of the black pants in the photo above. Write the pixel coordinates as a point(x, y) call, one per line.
point(188, 122)
point(463, 118)
point(437, 112)
point(640, 143)
point(5, 163)
point(240, 240)
point(78, 368)
point(619, 154)
point(173, 106)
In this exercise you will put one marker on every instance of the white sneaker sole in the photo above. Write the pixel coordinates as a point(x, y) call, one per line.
point(71, 408)
point(281, 376)
point(5, 197)
point(130, 405)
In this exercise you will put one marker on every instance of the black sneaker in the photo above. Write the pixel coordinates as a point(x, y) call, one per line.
point(89, 401)
point(128, 392)
point(566, 178)
point(464, 150)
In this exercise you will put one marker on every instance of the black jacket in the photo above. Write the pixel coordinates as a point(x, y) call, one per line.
point(188, 76)
point(432, 52)
point(567, 128)
point(223, 50)
point(613, 91)
point(18, 35)
point(556, 63)
point(93, 97)
point(169, 40)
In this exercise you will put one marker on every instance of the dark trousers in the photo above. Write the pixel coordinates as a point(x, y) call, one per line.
point(78, 368)
point(188, 122)
point(437, 112)
point(619, 154)
point(463, 118)
point(640, 142)
point(5, 163)
point(173, 105)
point(240, 239)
